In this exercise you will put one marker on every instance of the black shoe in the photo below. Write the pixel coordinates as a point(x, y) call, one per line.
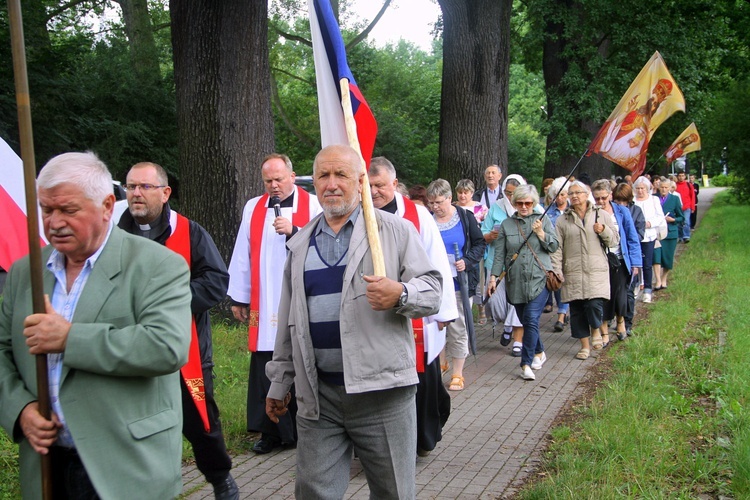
point(226, 489)
point(559, 326)
point(266, 444)
point(505, 339)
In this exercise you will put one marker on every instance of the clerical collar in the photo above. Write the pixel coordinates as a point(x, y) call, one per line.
point(287, 202)
point(391, 207)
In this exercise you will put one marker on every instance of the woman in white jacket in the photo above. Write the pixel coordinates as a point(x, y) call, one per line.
point(654, 215)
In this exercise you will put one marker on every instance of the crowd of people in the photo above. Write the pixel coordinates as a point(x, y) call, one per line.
point(344, 360)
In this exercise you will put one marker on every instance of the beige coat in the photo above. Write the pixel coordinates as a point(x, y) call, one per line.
point(581, 258)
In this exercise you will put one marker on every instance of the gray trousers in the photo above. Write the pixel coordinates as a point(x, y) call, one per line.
point(381, 426)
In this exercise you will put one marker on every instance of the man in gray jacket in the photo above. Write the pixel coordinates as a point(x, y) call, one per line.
point(345, 340)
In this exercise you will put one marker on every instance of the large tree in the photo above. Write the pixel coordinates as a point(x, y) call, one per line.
point(593, 49)
point(474, 103)
point(223, 107)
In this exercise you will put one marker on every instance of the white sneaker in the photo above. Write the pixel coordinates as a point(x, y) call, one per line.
point(647, 297)
point(526, 373)
point(538, 361)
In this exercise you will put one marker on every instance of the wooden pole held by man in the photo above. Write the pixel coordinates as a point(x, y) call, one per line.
point(368, 209)
point(29, 174)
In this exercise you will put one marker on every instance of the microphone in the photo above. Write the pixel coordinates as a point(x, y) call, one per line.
point(276, 203)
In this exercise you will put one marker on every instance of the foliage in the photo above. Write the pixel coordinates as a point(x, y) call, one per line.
point(86, 96)
point(9, 485)
point(602, 47)
point(728, 126)
point(670, 417)
point(526, 141)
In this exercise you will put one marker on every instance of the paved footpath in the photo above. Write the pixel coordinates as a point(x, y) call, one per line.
point(493, 438)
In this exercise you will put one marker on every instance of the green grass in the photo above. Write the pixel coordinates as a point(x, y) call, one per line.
point(672, 418)
point(232, 361)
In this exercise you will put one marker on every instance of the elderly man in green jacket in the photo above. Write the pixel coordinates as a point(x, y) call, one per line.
point(115, 335)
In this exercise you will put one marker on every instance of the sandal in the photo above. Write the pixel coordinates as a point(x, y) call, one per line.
point(582, 354)
point(457, 383)
point(444, 368)
point(597, 343)
point(605, 343)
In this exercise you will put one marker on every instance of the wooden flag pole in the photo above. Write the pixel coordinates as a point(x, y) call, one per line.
point(368, 209)
point(29, 174)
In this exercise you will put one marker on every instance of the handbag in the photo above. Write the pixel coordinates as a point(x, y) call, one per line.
point(554, 280)
point(663, 228)
point(612, 259)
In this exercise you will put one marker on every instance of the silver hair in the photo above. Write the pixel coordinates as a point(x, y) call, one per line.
point(579, 184)
point(602, 185)
point(381, 164)
point(439, 187)
point(558, 186)
point(523, 192)
point(643, 180)
point(84, 170)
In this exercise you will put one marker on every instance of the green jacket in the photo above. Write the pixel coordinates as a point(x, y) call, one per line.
point(525, 279)
point(120, 386)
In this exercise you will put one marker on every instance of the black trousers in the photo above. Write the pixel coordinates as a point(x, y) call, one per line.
point(210, 451)
point(433, 406)
point(70, 481)
point(257, 389)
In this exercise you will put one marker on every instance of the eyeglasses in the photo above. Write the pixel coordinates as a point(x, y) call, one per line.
point(144, 187)
point(436, 202)
point(524, 203)
point(576, 193)
point(601, 198)
point(508, 193)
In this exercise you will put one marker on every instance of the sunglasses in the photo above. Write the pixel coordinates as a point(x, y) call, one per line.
point(524, 203)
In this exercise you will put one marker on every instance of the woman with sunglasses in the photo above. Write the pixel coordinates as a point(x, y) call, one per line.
point(525, 277)
point(583, 265)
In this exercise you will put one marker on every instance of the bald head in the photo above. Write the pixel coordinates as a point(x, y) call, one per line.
point(337, 176)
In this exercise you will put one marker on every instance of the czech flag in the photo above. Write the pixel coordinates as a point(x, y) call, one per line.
point(14, 242)
point(329, 53)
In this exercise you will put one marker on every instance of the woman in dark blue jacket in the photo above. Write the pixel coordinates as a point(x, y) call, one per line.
point(629, 254)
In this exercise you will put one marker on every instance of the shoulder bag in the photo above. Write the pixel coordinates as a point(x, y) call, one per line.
point(554, 280)
point(612, 259)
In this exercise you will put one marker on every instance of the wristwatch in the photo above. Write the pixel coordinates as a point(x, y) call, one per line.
point(404, 296)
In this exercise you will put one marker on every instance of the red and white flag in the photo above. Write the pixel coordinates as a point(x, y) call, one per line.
point(14, 242)
point(329, 53)
point(688, 141)
point(652, 98)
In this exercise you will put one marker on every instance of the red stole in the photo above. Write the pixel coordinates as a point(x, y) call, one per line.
point(411, 214)
point(257, 223)
point(192, 372)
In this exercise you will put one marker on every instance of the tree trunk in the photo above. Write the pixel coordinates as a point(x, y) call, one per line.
point(555, 65)
point(222, 80)
point(140, 33)
point(474, 103)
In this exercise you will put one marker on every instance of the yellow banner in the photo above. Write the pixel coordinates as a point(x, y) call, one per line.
point(652, 98)
point(688, 141)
